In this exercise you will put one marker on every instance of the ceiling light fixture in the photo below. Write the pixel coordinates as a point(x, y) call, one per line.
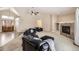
point(34, 12)
point(7, 17)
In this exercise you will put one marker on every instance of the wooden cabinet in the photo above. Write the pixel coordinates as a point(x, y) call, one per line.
point(8, 26)
point(7, 29)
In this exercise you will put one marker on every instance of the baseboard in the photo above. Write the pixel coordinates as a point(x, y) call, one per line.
point(75, 44)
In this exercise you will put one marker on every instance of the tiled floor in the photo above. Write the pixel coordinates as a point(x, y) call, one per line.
point(6, 37)
point(61, 43)
point(9, 41)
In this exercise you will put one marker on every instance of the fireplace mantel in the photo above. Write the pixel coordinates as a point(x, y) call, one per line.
point(66, 22)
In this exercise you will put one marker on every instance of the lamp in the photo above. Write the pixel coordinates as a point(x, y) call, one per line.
point(39, 23)
point(39, 26)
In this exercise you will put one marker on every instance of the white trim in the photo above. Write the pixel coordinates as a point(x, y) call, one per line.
point(11, 9)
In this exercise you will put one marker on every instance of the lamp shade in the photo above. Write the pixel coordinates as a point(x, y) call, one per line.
point(39, 23)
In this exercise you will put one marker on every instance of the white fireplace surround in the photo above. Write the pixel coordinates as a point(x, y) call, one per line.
point(71, 25)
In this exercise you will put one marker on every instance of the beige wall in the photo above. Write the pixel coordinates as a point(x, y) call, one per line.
point(70, 18)
point(0, 26)
point(48, 21)
point(45, 21)
point(67, 18)
point(26, 22)
point(29, 21)
point(54, 20)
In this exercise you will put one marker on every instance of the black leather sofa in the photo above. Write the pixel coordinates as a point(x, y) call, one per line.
point(31, 41)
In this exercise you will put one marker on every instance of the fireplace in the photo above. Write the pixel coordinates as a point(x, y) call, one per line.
point(66, 29)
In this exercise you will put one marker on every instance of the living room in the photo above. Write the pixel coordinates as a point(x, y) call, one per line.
point(57, 22)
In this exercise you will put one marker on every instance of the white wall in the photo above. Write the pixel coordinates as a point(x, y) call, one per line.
point(77, 27)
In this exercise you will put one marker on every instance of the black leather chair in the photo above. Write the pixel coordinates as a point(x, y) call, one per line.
point(30, 42)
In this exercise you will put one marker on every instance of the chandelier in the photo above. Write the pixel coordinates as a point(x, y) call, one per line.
point(34, 12)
